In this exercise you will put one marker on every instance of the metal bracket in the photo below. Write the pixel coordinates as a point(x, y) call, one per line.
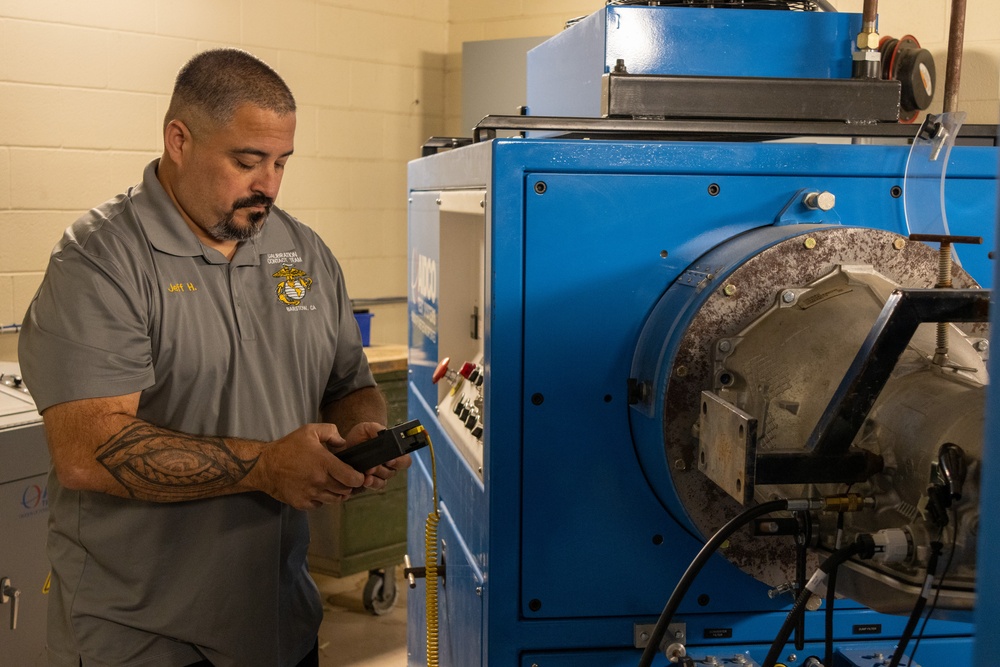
point(828, 456)
point(727, 446)
point(641, 632)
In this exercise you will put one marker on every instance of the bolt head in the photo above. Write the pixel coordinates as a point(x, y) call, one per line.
point(729, 290)
point(982, 345)
point(809, 243)
point(899, 244)
point(824, 201)
point(725, 345)
point(788, 296)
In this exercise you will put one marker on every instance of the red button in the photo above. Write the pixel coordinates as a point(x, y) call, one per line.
point(441, 370)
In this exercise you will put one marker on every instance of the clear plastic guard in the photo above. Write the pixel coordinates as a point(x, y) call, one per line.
point(924, 180)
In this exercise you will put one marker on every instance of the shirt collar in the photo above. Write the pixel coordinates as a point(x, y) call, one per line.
point(168, 232)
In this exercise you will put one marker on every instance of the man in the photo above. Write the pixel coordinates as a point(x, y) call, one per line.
point(184, 342)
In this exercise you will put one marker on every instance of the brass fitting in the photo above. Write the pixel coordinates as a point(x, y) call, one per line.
point(847, 502)
point(868, 40)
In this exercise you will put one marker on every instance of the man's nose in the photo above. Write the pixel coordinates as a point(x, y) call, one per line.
point(267, 183)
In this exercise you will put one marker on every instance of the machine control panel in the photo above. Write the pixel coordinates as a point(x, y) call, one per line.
point(461, 408)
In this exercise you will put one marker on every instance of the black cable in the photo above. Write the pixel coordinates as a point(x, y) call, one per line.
point(801, 552)
point(786, 628)
point(694, 568)
point(918, 608)
point(940, 585)
point(831, 588)
point(864, 547)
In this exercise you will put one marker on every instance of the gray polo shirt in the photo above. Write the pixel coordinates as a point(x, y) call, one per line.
point(251, 348)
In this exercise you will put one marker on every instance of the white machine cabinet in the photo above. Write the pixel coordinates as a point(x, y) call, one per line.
point(24, 567)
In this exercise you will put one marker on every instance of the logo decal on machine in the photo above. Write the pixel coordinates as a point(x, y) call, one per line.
point(34, 500)
point(423, 278)
point(424, 295)
point(293, 288)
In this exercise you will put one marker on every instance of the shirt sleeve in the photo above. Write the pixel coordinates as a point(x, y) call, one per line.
point(85, 334)
point(350, 370)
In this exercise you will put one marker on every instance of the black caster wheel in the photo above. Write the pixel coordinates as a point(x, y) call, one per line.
point(380, 594)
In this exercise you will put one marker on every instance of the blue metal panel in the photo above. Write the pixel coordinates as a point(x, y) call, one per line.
point(987, 645)
point(422, 306)
point(693, 41)
point(564, 73)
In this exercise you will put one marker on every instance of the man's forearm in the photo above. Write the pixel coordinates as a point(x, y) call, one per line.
point(160, 465)
point(363, 405)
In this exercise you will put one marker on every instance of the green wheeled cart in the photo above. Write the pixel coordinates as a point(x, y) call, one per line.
point(368, 531)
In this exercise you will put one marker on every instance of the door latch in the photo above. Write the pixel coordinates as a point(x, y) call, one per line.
point(10, 594)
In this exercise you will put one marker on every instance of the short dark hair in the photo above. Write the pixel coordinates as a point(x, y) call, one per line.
point(215, 83)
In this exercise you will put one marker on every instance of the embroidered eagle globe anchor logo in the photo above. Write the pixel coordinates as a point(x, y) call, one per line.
point(293, 288)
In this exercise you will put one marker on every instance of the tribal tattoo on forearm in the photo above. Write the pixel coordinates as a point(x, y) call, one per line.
point(164, 466)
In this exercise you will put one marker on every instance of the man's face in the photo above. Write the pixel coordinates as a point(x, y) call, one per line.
point(229, 179)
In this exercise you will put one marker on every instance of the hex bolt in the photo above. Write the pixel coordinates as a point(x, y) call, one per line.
point(982, 345)
point(809, 243)
point(729, 289)
point(788, 296)
point(725, 345)
point(899, 244)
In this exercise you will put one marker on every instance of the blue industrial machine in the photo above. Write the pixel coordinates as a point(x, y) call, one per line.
point(659, 319)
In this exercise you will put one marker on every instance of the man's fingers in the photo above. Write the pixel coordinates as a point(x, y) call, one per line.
point(344, 475)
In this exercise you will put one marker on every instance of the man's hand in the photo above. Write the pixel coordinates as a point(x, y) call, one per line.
point(377, 477)
point(300, 469)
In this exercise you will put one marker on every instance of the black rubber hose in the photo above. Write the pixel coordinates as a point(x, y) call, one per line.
point(694, 568)
point(863, 548)
point(831, 597)
point(918, 608)
point(798, 609)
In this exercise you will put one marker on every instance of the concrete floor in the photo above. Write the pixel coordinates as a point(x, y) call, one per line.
point(350, 636)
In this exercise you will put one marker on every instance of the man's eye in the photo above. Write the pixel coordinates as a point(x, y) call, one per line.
point(243, 166)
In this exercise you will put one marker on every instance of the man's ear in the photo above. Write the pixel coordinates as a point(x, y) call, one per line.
point(176, 140)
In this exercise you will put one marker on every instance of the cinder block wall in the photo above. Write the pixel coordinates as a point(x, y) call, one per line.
point(84, 86)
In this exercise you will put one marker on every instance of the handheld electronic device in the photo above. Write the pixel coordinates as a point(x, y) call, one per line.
point(387, 445)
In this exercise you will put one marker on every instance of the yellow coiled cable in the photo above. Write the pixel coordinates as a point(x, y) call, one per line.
point(431, 562)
